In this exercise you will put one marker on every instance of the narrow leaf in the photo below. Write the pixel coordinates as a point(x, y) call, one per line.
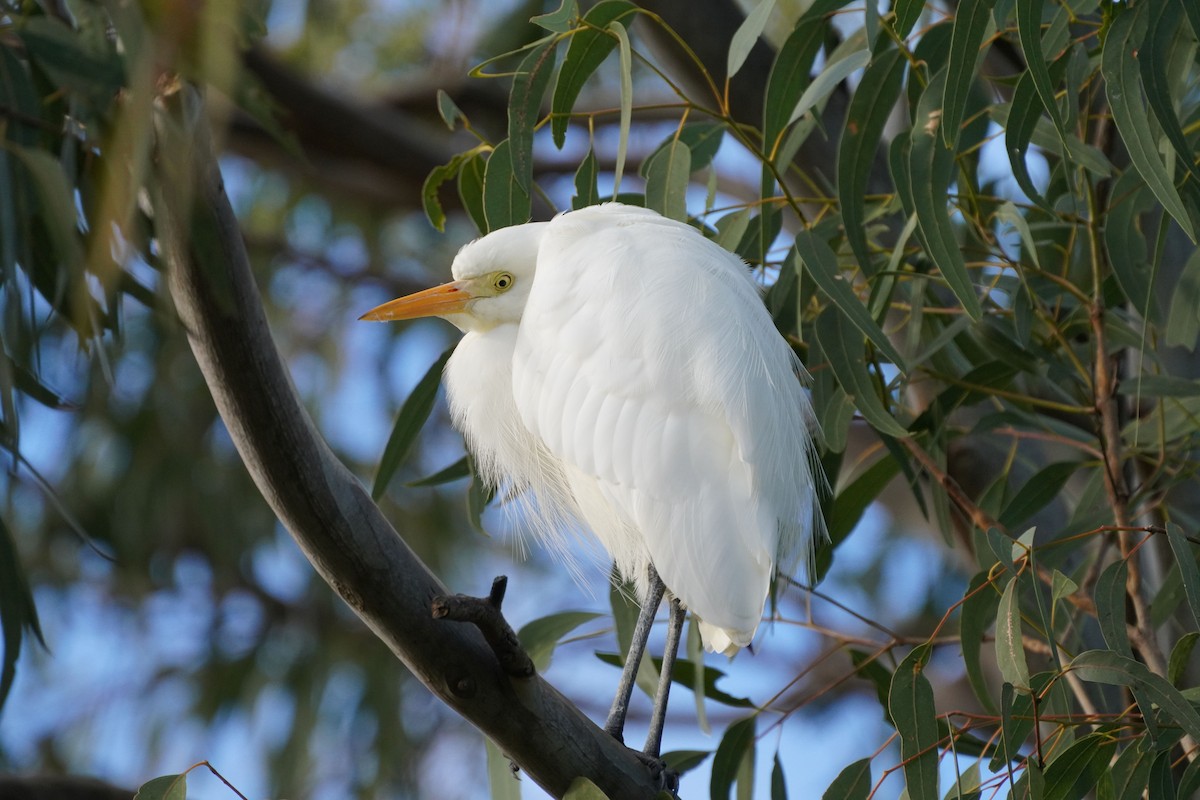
point(870, 108)
point(738, 739)
point(1181, 654)
point(167, 787)
point(1183, 318)
point(977, 615)
point(828, 80)
point(790, 74)
point(1037, 492)
point(18, 613)
point(970, 22)
point(626, 65)
point(1122, 80)
point(910, 703)
point(502, 779)
point(457, 471)
point(852, 783)
point(589, 46)
point(667, 175)
point(559, 20)
point(586, 191)
point(540, 637)
point(408, 425)
point(1010, 649)
point(1065, 777)
point(843, 347)
point(448, 110)
point(1110, 607)
point(746, 36)
point(1185, 556)
point(821, 264)
point(1102, 666)
point(505, 203)
point(524, 108)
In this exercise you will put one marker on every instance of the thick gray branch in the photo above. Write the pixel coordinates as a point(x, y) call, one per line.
point(324, 507)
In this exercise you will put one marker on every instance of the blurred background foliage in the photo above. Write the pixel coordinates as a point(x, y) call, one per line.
point(1020, 356)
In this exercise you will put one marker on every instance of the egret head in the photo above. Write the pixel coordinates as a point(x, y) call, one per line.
point(492, 278)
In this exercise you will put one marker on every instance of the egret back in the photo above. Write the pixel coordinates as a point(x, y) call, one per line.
point(666, 411)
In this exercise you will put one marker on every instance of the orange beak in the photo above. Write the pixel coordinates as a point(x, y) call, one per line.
point(449, 298)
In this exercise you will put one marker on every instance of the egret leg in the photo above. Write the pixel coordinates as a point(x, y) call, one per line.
point(615, 725)
point(659, 718)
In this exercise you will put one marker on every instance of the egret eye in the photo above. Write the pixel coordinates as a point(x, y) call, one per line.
point(503, 281)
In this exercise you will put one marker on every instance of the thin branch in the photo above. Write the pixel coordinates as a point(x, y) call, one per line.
point(323, 505)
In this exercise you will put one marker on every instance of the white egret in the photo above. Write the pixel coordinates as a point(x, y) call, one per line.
point(623, 369)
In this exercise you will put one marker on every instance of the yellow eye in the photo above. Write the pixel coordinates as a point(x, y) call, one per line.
point(503, 281)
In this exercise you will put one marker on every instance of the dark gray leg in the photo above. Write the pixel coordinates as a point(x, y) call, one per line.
point(615, 725)
point(659, 717)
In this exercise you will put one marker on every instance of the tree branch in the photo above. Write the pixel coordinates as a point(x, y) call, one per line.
point(323, 505)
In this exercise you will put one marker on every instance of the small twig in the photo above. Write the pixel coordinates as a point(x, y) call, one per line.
point(484, 614)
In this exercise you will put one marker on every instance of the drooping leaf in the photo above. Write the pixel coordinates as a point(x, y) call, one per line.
point(1029, 31)
point(828, 80)
point(843, 347)
point(1110, 607)
point(587, 192)
point(409, 422)
point(1185, 557)
point(970, 21)
point(1010, 648)
point(977, 615)
point(166, 787)
point(930, 168)
point(1122, 80)
point(737, 741)
point(625, 62)
point(524, 108)
point(1181, 654)
point(685, 760)
point(448, 110)
point(1037, 492)
point(470, 191)
point(1103, 666)
point(559, 20)
point(746, 36)
point(907, 14)
point(505, 203)
point(910, 703)
point(790, 74)
point(821, 264)
point(852, 783)
point(667, 174)
point(870, 108)
point(541, 636)
point(502, 779)
point(589, 46)
point(1079, 766)
point(457, 471)
point(18, 614)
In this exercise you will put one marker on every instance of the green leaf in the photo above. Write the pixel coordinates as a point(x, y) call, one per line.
point(470, 191)
point(667, 175)
point(1010, 649)
point(907, 14)
point(581, 789)
point(703, 140)
point(1181, 654)
point(409, 422)
point(685, 760)
point(433, 183)
point(853, 500)
point(1102, 666)
point(694, 650)
point(74, 62)
point(166, 787)
point(1110, 607)
point(1122, 77)
point(502, 779)
point(1019, 126)
point(746, 36)
point(479, 494)
point(852, 783)
point(1061, 587)
point(931, 168)
point(448, 110)
point(1037, 492)
point(1185, 556)
point(18, 613)
point(1029, 31)
point(778, 783)
point(541, 636)
point(977, 614)
point(586, 191)
point(821, 264)
point(1153, 59)
point(870, 108)
point(843, 347)
point(1131, 771)
point(828, 80)
point(505, 203)
point(625, 61)
point(1065, 776)
point(589, 46)
point(1125, 243)
point(970, 22)
point(558, 21)
point(790, 74)
point(525, 105)
point(737, 741)
point(457, 471)
point(1159, 385)
point(910, 703)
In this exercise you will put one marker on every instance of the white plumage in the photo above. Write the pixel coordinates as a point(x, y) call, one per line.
point(624, 369)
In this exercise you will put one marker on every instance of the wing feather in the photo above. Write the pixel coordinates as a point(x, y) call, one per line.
point(647, 363)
